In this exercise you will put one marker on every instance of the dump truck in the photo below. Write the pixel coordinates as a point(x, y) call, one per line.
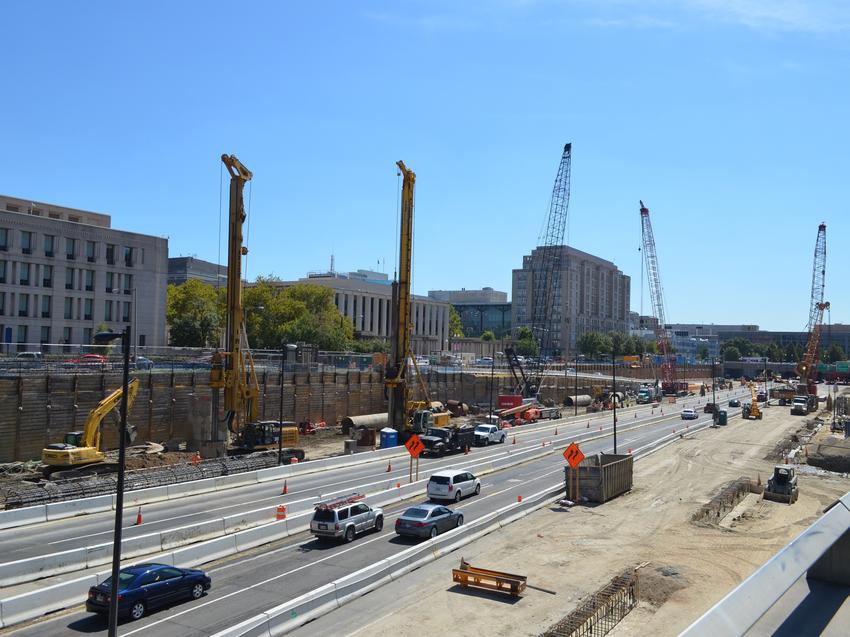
point(800, 406)
point(647, 395)
point(439, 441)
point(782, 486)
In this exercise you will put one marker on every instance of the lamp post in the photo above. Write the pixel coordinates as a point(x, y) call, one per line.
point(106, 337)
point(614, 394)
point(575, 395)
point(283, 350)
point(713, 388)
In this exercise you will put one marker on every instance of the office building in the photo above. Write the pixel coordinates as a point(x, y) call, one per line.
point(181, 269)
point(65, 272)
point(589, 294)
point(365, 297)
point(479, 310)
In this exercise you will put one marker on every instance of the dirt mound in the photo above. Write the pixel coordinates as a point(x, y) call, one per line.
point(833, 454)
point(658, 585)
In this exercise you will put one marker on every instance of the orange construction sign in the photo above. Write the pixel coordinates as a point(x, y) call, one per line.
point(573, 455)
point(414, 446)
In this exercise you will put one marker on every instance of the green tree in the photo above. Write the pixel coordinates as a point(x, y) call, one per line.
point(835, 353)
point(370, 346)
point(488, 336)
point(702, 352)
point(731, 353)
point(650, 347)
point(455, 325)
point(775, 353)
point(194, 314)
point(618, 341)
point(526, 344)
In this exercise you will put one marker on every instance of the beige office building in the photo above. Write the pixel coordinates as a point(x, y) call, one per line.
point(64, 272)
point(366, 298)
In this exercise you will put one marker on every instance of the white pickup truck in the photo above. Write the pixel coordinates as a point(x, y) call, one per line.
point(487, 434)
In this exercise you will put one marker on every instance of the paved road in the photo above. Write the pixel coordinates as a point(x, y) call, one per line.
point(247, 584)
point(303, 491)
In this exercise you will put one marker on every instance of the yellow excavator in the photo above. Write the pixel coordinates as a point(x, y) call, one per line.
point(751, 410)
point(81, 449)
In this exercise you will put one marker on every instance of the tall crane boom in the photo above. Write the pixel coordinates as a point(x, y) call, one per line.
point(396, 373)
point(808, 366)
point(233, 369)
point(545, 279)
point(656, 293)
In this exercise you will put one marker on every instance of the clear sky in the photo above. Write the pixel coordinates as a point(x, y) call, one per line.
point(729, 119)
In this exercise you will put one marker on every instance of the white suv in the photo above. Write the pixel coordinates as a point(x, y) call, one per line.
point(452, 485)
point(345, 517)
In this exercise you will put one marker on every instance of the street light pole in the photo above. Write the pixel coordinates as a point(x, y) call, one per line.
point(106, 337)
point(614, 395)
point(280, 413)
point(492, 372)
point(575, 395)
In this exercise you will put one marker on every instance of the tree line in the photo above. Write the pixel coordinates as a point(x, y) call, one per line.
point(736, 348)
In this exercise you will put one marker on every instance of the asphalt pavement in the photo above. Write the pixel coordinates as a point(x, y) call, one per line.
point(251, 582)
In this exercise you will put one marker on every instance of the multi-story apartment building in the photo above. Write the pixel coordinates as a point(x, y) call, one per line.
point(590, 294)
point(64, 272)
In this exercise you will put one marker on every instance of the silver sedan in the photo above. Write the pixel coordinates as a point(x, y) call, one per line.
point(427, 520)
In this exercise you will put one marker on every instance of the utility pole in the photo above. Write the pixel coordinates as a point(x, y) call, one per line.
point(614, 395)
point(714, 388)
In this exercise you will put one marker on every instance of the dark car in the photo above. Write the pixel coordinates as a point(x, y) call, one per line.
point(734, 403)
point(140, 362)
point(427, 520)
point(709, 408)
point(147, 586)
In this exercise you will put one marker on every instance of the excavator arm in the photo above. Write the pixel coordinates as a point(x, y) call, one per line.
point(91, 430)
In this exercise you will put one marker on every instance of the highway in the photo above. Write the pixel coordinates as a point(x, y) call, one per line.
point(250, 582)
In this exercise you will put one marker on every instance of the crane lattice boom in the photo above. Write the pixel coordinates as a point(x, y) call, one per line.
point(808, 367)
point(656, 294)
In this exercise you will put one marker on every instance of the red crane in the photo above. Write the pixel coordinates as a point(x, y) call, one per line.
point(656, 292)
point(808, 366)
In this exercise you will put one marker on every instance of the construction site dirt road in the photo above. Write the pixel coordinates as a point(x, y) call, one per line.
point(568, 554)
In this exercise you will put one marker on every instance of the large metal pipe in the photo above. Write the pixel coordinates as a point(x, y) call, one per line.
point(371, 421)
point(579, 401)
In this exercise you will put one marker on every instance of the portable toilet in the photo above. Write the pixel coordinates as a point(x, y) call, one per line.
point(722, 417)
point(389, 438)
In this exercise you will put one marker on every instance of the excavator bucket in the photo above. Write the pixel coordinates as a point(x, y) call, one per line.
point(786, 498)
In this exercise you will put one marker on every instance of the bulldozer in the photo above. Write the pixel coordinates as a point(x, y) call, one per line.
point(782, 487)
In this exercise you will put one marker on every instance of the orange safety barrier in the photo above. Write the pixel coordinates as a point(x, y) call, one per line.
point(281, 512)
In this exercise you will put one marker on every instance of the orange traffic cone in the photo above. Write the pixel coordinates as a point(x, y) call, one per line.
point(398, 485)
point(285, 489)
point(389, 466)
point(466, 450)
point(588, 424)
point(519, 498)
point(281, 512)
point(514, 442)
point(139, 517)
point(630, 451)
point(556, 431)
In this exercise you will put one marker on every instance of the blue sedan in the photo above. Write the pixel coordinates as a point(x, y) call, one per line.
point(147, 586)
point(427, 520)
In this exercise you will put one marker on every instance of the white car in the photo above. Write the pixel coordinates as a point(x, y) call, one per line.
point(452, 484)
point(689, 414)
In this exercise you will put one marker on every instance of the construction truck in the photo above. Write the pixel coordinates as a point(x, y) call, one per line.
point(79, 452)
point(266, 435)
point(782, 487)
point(648, 395)
point(232, 369)
point(751, 410)
point(439, 441)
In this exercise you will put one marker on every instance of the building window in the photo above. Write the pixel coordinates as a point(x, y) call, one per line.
point(23, 305)
point(45, 334)
point(69, 308)
point(54, 215)
point(126, 314)
point(12, 207)
point(87, 335)
point(110, 254)
point(45, 306)
point(66, 334)
point(49, 245)
point(89, 280)
point(87, 310)
point(91, 251)
point(70, 249)
point(2, 303)
point(26, 242)
point(128, 257)
point(24, 278)
point(47, 276)
point(3, 271)
point(73, 219)
point(4, 239)
point(128, 284)
point(107, 310)
point(141, 340)
point(22, 333)
point(69, 278)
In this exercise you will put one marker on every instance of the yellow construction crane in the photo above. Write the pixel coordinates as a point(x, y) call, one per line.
point(82, 448)
point(233, 369)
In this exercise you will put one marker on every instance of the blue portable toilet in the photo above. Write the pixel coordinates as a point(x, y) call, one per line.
point(389, 438)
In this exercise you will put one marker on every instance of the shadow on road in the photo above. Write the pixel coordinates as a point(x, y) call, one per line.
point(480, 592)
point(89, 624)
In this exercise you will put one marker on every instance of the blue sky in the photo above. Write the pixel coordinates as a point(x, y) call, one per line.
point(728, 118)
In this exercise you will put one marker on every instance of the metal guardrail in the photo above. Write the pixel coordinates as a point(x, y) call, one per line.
point(740, 609)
